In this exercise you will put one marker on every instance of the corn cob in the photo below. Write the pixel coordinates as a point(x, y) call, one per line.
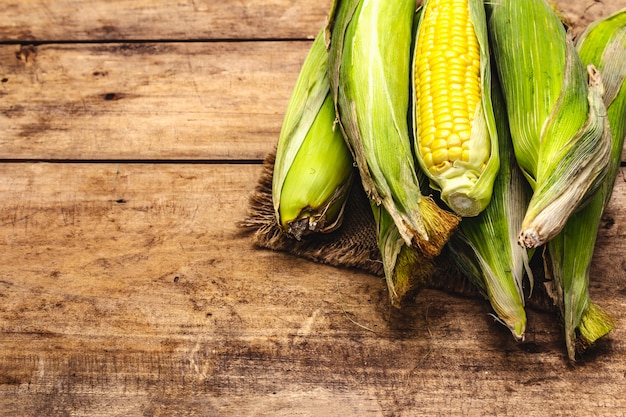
point(456, 138)
point(313, 170)
point(369, 76)
point(556, 114)
point(603, 44)
point(486, 248)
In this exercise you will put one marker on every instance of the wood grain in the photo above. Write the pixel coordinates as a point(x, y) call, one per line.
point(89, 20)
point(127, 289)
point(165, 101)
point(146, 101)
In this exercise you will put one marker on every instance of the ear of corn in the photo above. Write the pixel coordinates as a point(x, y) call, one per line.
point(556, 115)
point(313, 170)
point(603, 44)
point(486, 248)
point(369, 71)
point(456, 138)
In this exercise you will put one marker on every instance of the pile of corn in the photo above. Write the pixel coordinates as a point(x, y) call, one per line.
point(476, 127)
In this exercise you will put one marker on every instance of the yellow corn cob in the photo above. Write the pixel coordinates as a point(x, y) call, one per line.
point(453, 71)
point(454, 126)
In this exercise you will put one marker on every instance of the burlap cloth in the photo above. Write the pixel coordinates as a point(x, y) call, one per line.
point(354, 244)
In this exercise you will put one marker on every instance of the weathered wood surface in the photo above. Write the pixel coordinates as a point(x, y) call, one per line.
point(126, 289)
point(153, 100)
point(89, 20)
point(202, 101)
point(145, 101)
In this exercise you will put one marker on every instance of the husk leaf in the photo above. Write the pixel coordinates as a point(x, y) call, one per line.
point(486, 246)
point(557, 119)
point(602, 44)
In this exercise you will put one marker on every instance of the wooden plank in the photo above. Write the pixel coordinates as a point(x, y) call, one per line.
point(579, 13)
point(219, 101)
point(69, 20)
point(128, 290)
point(30, 20)
point(145, 101)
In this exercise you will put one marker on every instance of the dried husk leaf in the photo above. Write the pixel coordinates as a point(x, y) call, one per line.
point(406, 269)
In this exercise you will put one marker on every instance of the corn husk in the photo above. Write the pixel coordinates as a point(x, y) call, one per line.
point(556, 113)
point(603, 45)
point(369, 76)
point(486, 248)
point(313, 170)
point(406, 269)
point(466, 187)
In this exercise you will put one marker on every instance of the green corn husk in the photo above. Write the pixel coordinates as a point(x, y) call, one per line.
point(486, 248)
point(556, 114)
point(466, 187)
point(568, 262)
point(314, 168)
point(603, 44)
point(405, 268)
point(369, 74)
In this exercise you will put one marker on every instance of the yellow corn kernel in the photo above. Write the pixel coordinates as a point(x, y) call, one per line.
point(454, 140)
point(464, 129)
point(428, 158)
point(455, 153)
point(458, 115)
point(440, 168)
point(428, 140)
point(440, 155)
point(439, 144)
point(442, 134)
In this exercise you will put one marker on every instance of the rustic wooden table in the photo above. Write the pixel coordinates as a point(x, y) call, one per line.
point(131, 135)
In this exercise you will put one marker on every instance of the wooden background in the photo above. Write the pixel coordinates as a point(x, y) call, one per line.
point(131, 135)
